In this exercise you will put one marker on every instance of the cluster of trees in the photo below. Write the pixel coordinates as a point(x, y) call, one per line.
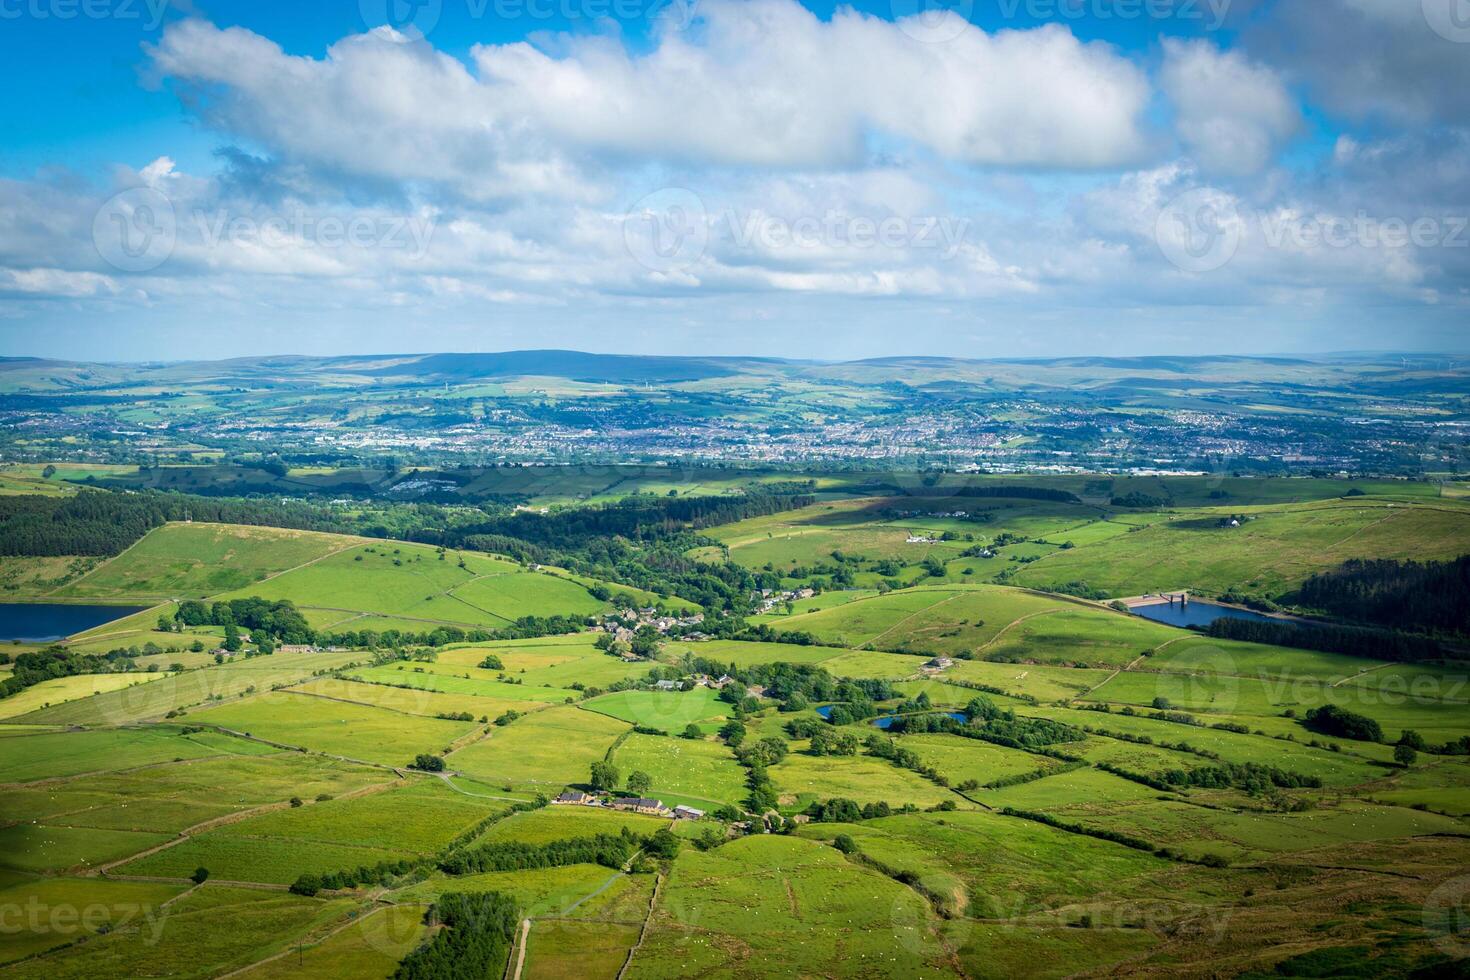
point(843, 810)
point(1142, 501)
point(53, 662)
point(1341, 723)
point(1252, 777)
point(1355, 641)
point(279, 619)
point(608, 850)
point(475, 943)
point(1418, 597)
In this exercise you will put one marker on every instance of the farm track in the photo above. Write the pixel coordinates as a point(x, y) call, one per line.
point(515, 964)
point(643, 933)
point(214, 823)
point(351, 921)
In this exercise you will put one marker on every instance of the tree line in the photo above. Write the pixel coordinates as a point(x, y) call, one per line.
point(1418, 597)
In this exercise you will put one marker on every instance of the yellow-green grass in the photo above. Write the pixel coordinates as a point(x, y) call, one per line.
point(555, 823)
point(1200, 654)
point(875, 664)
point(199, 560)
point(415, 701)
point(548, 748)
point(194, 687)
point(1049, 683)
point(588, 950)
point(352, 731)
point(1079, 636)
point(801, 778)
point(670, 711)
point(170, 798)
point(544, 891)
point(816, 603)
point(398, 579)
point(46, 913)
point(253, 859)
point(49, 755)
point(451, 679)
point(857, 623)
point(691, 769)
point(1271, 554)
point(742, 654)
point(547, 665)
point(206, 933)
point(1268, 697)
point(1077, 786)
point(126, 630)
point(1241, 836)
point(986, 865)
point(964, 759)
point(1334, 768)
point(992, 949)
point(747, 895)
point(54, 847)
point(529, 594)
point(368, 949)
point(33, 576)
point(63, 689)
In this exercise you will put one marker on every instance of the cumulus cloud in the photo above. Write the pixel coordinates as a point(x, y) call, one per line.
point(1232, 114)
point(761, 83)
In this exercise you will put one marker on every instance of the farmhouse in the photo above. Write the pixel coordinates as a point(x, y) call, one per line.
point(939, 663)
point(640, 805)
point(574, 797)
point(666, 685)
point(687, 813)
point(297, 648)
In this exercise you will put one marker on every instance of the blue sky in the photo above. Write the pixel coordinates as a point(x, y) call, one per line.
point(1003, 177)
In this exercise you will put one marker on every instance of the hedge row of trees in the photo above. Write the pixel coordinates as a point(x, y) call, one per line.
point(475, 943)
point(32, 668)
point(1356, 641)
point(608, 850)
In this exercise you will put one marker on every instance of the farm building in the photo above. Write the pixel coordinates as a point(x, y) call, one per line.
point(652, 807)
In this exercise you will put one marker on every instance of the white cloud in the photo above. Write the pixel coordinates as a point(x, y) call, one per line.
point(762, 83)
point(1232, 114)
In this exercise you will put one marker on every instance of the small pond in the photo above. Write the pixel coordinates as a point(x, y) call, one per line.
point(42, 622)
point(1196, 613)
point(886, 721)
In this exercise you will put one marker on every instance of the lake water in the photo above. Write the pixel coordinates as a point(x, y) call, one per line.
point(40, 622)
point(885, 722)
point(1196, 613)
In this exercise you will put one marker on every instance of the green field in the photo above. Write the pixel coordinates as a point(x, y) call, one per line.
point(994, 860)
point(199, 560)
point(352, 731)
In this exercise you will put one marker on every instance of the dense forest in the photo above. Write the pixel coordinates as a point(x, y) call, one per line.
point(1419, 597)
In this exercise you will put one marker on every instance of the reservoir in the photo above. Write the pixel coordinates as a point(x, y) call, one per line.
point(40, 622)
point(886, 721)
point(1196, 613)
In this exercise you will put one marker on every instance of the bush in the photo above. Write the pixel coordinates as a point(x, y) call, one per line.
point(200, 876)
point(308, 885)
point(428, 763)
